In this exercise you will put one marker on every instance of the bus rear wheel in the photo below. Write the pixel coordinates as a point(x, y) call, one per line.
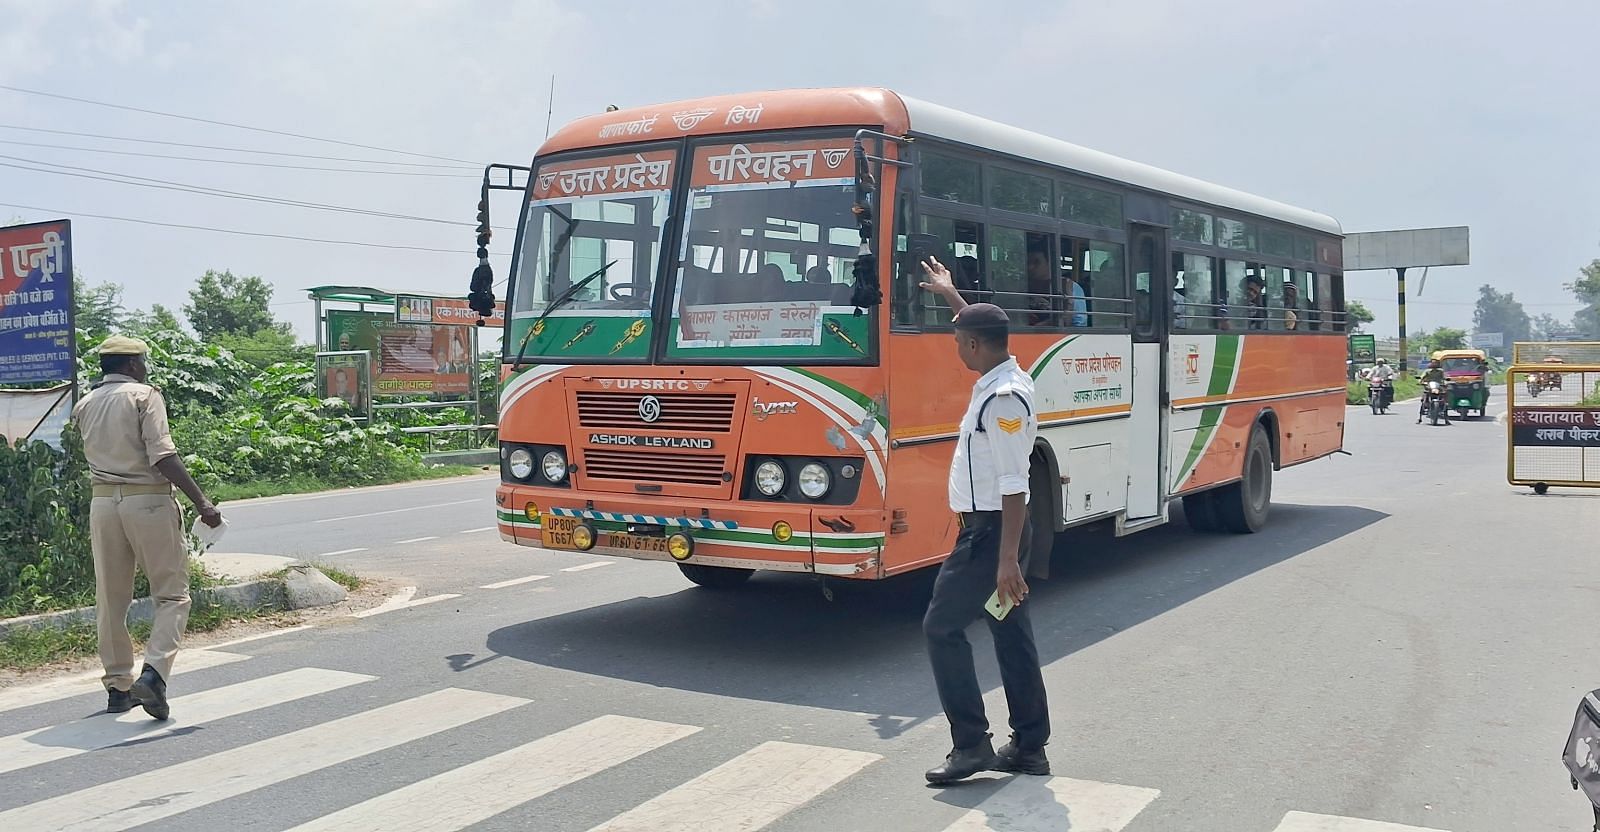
point(1242, 506)
point(715, 577)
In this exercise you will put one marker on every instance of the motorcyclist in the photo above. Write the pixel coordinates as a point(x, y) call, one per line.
point(1380, 375)
point(1435, 372)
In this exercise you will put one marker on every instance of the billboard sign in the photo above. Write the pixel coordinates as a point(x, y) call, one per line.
point(347, 376)
point(1487, 340)
point(1363, 348)
point(424, 309)
point(407, 359)
point(36, 334)
point(1404, 249)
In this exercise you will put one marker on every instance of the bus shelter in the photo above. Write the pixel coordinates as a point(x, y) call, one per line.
point(1553, 424)
point(402, 351)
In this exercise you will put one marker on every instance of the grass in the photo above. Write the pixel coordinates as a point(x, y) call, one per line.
point(27, 648)
point(228, 491)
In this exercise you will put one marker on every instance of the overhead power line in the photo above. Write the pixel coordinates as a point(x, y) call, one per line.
point(61, 213)
point(253, 128)
point(191, 145)
point(203, 190)
point(244, 162)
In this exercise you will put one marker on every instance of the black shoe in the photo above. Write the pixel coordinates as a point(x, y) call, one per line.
point(151, 692)
point(963, 763)
point(118, 701)
point(1011, 758)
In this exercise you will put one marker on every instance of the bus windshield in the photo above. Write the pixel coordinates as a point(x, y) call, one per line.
point(766, 256)
point(599, 217)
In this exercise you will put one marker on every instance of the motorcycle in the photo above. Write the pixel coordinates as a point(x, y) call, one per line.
point(1435, 403)
point(1380, 394)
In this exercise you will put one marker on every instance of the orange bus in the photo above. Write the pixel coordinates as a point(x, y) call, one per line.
point(717, 352)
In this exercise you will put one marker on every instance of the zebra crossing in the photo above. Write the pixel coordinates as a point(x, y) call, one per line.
point(750, 789)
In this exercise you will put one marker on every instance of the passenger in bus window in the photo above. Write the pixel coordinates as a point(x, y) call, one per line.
point(1180, 304)
point(1255, 300)
point(1039, 288)
point(1072, 289)
point(1291, 305)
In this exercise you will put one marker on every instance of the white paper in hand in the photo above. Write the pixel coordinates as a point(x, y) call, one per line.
point(207, 535)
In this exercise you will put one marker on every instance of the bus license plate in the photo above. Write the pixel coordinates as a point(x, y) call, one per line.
point(558, 532)
point(635, 542)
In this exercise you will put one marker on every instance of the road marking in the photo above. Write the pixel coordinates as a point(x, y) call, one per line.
point(484, 529)
point(1036, 804)
point(417, 540)
point(515, 581)
point(402, 600)
point(478, 791)
point(397, 511)
point(358, 492)
point(89, 681)
point(586, 566)
point(746, 793)
point(59, 742)
point(152, 795)
point(1307, 822)
point(342, 552)
point(259, 636)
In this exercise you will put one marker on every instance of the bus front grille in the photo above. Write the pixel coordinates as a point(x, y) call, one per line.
point(654, 467)
point(698, 412)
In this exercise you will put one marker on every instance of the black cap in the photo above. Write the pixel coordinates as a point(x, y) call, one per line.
point(982, 316)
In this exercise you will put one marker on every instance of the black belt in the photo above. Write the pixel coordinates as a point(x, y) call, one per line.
point(978, 518)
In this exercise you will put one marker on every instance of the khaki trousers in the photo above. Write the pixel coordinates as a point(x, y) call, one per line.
point(128, 526)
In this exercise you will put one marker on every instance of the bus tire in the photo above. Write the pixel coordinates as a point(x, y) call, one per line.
point(1201, 512)
point(1041, 510)
point(715, 577)
point(1242, 506)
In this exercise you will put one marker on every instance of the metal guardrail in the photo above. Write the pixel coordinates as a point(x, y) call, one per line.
point(1553, 425)
point(481, 435)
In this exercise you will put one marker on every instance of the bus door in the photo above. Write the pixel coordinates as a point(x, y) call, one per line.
point(1148, 448)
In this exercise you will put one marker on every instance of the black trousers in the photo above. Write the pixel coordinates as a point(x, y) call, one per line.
point(965, 582)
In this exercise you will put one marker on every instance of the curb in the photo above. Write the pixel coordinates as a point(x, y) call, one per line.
point(262, 594)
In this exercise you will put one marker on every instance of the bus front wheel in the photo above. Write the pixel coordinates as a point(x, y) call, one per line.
point(715, 577)
point(1242, 506)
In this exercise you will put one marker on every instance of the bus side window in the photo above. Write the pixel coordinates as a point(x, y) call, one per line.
point(1104, 281)
point(961, 247)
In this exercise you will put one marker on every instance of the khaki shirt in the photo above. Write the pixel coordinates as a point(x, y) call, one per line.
point(124, 427)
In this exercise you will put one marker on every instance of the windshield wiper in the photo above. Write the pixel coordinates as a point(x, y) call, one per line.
point(561, 300)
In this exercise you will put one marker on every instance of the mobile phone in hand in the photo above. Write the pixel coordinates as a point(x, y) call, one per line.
point(996, 608)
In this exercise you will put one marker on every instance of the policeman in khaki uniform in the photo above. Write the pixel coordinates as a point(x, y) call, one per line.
point(134, 520)
point(989, 493)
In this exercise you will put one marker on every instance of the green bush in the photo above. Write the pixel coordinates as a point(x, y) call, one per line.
point(45, 560)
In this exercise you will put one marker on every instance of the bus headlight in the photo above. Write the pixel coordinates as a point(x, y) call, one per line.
point(583, 537)
point(555, 466)
point(770, 478)
point(520, 463)
point(815, 480)
point(680, 546)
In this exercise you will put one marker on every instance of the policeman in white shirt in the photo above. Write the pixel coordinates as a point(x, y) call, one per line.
point(989, 493)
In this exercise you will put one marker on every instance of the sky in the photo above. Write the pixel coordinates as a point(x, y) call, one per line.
point(1383, 113)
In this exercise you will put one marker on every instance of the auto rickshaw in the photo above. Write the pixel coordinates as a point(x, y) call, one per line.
point(1465, 373)
point(1540, 382)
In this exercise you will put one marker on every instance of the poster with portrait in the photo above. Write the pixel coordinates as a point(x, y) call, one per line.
point(346, 376)
point(407, 359)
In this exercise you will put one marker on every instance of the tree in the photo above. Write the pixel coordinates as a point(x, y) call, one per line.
point(1501, 312)
point(1546, 326)
point(1443, 338)
point(96, 309)
point(157, 318)
point(1587, 289)
point(1357, 315)
point(221, 303)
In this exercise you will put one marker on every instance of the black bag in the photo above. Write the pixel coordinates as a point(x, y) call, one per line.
point(1582, 755)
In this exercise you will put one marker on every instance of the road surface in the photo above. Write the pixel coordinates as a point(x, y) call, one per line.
point(1401, 648)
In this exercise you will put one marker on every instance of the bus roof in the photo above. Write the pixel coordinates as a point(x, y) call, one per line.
point(902, 115)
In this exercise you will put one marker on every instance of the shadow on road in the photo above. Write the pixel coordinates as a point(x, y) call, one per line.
point(778, 639)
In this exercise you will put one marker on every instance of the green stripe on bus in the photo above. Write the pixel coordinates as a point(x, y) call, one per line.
point(1208, 425)
point(1044, 360)
point(848, 392)
point(1222, 366)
